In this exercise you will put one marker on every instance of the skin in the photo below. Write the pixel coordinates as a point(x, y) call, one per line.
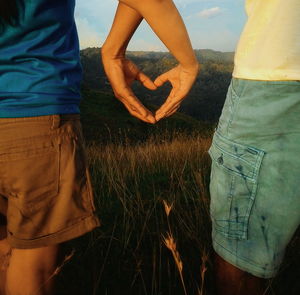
point(5, 252)
point(27, 271)
point(163, 17)
point(39, 266)
point(233, 281)
point(120, 71)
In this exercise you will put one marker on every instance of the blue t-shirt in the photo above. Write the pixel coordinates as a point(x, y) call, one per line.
point(40, 71)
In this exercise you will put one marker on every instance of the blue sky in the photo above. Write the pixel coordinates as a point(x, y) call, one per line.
point(213, 24)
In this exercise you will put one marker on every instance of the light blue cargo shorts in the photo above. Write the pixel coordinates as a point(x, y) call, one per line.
point(255, 176)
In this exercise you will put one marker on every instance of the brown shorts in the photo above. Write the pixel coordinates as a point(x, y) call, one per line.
point(45, 188)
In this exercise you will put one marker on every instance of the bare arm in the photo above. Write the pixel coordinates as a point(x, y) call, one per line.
point(165, 20)
point(120, 71)
point(124, 25)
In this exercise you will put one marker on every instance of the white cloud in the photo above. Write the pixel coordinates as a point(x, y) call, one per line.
point(210, 12)
point(88, 36)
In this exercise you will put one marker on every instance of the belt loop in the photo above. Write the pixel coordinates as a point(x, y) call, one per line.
point(55, 121)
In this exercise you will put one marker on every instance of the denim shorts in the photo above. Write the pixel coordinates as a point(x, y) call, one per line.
point(254, 187)
point(46, 195)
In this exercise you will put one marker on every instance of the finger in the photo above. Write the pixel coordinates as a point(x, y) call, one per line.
point(171, 103)
point(146, 81)
point(165, 107)
point(167, 114)
point(149, 118)
point(128, 97)
point(174, 110)
point(162, 79)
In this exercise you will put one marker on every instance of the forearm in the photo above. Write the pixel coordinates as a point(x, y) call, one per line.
point(125, 24)
point(166, 22)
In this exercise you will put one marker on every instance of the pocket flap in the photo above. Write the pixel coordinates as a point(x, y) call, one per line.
point(237, 158)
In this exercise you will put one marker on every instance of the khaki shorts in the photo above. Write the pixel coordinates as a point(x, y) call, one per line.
point(45, 188)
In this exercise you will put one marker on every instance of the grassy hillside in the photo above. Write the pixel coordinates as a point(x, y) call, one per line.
point(105, 119)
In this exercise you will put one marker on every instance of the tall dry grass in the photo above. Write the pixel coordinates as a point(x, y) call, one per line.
point(153, 201)
point(135, 179)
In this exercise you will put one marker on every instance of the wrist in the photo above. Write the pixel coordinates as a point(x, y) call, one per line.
point(113, 50)
point(192, 67)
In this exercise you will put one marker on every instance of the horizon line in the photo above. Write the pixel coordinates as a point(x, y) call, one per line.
point(195, 49)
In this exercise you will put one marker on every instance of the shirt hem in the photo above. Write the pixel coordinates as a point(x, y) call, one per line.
point(39, 111)
point(265, 75)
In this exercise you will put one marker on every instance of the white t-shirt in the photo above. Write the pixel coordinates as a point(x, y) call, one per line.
point(269, 47)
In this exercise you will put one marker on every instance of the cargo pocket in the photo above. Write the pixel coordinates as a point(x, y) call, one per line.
point(233, 185)
point(32, 175)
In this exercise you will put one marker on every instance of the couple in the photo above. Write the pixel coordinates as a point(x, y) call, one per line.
point(46, 197)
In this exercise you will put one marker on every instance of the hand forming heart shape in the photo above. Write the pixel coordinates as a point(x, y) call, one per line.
point(121, 73)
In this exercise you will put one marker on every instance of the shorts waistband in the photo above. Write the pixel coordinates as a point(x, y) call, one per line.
point(54, 119)
point(241, 82)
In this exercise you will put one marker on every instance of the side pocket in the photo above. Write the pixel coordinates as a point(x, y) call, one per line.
point(80, 165)
point(32, 175)
point(233, 185)
point(230, 106)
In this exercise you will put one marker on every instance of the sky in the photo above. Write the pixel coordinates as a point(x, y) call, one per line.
point(212, 24)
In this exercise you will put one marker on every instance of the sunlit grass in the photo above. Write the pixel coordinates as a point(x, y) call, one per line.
point(153, 202)
point(132, 181)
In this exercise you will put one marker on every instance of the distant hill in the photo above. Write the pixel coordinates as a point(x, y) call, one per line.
point(206, 98)
point(212, 55)
point(202, 54)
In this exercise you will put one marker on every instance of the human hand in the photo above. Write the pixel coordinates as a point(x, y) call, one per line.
point(121, 73)
point(182, 80)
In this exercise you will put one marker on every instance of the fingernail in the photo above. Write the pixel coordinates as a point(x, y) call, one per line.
point(150, 118)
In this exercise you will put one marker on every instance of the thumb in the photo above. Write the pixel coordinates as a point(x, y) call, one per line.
point(162, 79)
point(146, 81)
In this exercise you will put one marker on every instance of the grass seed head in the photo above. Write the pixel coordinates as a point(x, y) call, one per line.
point(168, 207)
